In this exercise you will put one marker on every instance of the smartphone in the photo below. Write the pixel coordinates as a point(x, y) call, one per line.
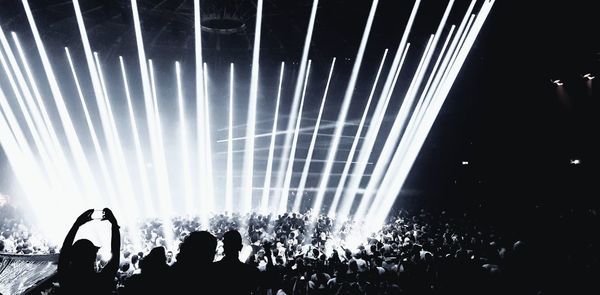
point(98, 214)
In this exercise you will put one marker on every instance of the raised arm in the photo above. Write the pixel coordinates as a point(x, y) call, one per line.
point(115, 245)
point(65, 251)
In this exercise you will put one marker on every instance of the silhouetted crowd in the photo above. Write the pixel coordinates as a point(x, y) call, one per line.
point(413, 253)
point(291, 254)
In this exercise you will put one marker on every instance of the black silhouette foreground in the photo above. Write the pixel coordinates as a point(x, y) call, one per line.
point(76, 264)
point(289, 254)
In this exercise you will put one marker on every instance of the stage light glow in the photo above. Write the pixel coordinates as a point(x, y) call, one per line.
point(185, 157)
point(283, 201)
point(296, 98)
point(394, 134)
point(229, 180)
point(19, 135)
point(208, 149)
point(575, 162)
point(30, 180)
point(201, 140)
point(72, 138)
point(95, 141)
point(335, 141)
point(363, 119)
point(41, 128)
point(248, 167)
point(139, 153)
point(402, 162)
point(311, 147)
point(557, 82)
point(164, 200)
point(381, 108)
point(120, 166)
point(264, 200)
point(158, 164)
point(589, 76)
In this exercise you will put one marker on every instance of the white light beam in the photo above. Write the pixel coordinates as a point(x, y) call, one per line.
point(311, 147)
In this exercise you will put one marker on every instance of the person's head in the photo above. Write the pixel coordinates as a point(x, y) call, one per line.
point(155, 260)
point(124, 267)
point(197, 247)
point(134, 259)
point(83, 255)
point(232, 243)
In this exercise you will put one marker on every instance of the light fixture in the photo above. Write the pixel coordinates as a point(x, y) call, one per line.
point(557, 82)
point(589, 76)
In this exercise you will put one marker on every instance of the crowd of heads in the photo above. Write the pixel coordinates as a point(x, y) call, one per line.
point(17, 237)
point(418, 252)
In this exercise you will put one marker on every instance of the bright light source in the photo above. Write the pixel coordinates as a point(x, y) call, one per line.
point(589, 76)
point(575, 162)
point(251, 127)
point(229, 179)
point(465, 163)
point(557, 82)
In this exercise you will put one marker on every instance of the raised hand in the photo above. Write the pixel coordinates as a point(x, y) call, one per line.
point(108, 215)
point(84, 217)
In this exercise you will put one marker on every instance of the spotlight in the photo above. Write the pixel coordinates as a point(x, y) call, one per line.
point(589, 76)
point(575, 162)
point(557, 82)
point(465, 163)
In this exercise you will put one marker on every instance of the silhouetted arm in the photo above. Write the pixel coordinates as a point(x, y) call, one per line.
point(65, 251)
point(112, 266)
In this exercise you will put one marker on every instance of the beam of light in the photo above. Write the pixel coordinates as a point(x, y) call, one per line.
point(283, 199)
point(403, 114)
point(160, 168)
point(402, 162)
point(72, 139)
point(30, 179)
point(139, 154)
point(208, 149)
point(349, 123)
point(380, 109)
point(185, 158)
point(363, 119)
point(124, 188)
point(302, 130)
point(95, 141)
point(297, 92)
point(251, 127)
point(395, 131)
point(264, 200)
point(200, 120)
point(165, 200)
point(229, 180)
point(43, 132)
point(344, 110)
point(313, 141)
point(379, 172)
point(120, 165)
point(18, 133)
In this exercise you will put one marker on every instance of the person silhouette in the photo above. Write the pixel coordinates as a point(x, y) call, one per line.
point(233, 276)
point(76, 270)
point(154, 272)
point(193, 269)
